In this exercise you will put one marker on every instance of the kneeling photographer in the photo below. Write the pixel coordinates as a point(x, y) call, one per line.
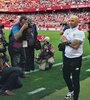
point(9, 76)
point(47, 55)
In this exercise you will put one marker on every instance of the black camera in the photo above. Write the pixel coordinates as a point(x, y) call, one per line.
point(1, 26)
point(30, 24)
point(47, 43)
point(2, 46)
point(63, 24)
point(87, 22)
point(27, 33)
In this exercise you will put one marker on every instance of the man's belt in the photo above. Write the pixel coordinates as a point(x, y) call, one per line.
point(19, 45)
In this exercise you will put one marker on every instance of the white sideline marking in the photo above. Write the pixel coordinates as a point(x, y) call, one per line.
point(88, 70)
point(37, 90)
point(38, 69)
point(88, 57)
point(57, 64)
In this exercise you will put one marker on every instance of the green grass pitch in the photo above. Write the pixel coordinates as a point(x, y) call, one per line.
point(51, 80)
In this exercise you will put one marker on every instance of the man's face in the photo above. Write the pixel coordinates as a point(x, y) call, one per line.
point(23, 22)
point(73, 22)
point(46, 41)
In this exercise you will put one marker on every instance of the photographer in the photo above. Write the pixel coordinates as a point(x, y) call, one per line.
point(17, 44)
point(31, 37)
point(9, 76)
point(88, 29)
point(47, 55)
point(63, 27)
point(21, 44)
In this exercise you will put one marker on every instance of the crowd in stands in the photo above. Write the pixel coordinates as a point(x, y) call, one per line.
point(46, 19)
point(27, 4)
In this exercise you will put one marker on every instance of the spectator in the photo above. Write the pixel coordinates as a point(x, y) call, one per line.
point(40, 3)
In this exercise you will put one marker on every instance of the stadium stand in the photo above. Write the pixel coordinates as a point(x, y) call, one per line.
point(44, 20)
point(27, 4)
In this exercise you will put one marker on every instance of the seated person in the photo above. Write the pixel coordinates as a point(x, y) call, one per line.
point(47, 55)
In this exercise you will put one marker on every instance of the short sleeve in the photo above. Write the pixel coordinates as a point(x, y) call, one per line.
point(65, 32)
point(15, 29)
point(80, 36)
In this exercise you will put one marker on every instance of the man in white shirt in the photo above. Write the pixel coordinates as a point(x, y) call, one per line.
point(73, 40)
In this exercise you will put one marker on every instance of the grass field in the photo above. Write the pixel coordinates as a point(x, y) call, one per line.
point(59, 94)
point(50, 80)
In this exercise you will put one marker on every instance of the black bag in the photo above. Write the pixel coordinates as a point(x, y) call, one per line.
point(37, 45)
point(61, 47)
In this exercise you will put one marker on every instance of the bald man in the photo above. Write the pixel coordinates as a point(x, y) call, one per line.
point(73, 40)
point(47, 55)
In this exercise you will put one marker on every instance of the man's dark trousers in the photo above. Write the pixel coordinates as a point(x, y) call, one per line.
point(72, 66)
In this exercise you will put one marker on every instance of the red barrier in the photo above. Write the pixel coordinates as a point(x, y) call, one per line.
point(46, 8)
point(41, 37)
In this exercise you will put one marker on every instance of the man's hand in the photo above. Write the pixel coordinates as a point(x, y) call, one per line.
point(75, 43)
point(19, 34)
point(46, 47)
point(64, 41)
point(25, 25)
point(7, 57)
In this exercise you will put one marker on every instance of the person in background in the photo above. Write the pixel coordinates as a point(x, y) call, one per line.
point(88, 30)
point(63, 27)
point(73, 40)
point(47, 55)
point(29, 50)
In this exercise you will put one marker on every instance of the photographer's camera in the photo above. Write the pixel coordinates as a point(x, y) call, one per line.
point(87, 22)
point(27, 34)
point(63, 24)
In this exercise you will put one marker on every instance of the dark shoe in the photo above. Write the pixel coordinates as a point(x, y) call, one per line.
point(7, 92)
point(50, 66)
point(47, 68)
point(27, 70)
point(32, 68)
point(25, 76)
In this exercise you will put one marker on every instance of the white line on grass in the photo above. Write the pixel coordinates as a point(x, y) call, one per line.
point(36, 91)
point(87, 70)
point(85, 57)
point(38, 69)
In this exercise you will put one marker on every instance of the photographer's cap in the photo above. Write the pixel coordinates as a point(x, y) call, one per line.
point(23, 17)
point(47, 39)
